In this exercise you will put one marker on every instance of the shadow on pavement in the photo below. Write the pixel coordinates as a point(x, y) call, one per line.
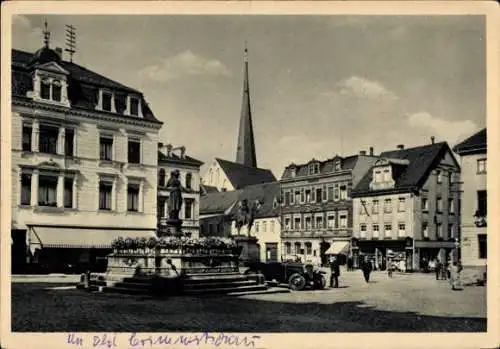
point(38, 310)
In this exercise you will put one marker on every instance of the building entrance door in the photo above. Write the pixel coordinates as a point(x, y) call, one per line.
point(271, 252)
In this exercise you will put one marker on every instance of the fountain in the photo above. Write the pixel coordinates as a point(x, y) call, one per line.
point(173, 263)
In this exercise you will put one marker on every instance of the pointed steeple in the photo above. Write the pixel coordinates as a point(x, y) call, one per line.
point(245, 153)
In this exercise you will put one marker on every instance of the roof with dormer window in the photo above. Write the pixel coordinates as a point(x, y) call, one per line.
point(83, 84)
point(410, 168)
point(325, 167)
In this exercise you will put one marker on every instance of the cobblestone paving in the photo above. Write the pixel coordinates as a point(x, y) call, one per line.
point(414, 302)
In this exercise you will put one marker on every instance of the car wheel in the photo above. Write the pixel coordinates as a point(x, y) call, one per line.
point(320, 282)
point(297, 282)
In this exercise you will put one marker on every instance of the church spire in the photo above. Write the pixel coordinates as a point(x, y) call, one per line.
point(245, 153)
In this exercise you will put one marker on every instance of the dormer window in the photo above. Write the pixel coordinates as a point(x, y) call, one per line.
point(134, 106)
point(313, 168)
point(337, 165)
point(51, 90)
point(107, 99)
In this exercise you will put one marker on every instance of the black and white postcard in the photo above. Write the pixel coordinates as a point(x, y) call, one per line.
point(249, 174)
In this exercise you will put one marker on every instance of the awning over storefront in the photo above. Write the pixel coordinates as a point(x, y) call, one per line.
point(63, 237)
point(338, 247)
point(434, 244)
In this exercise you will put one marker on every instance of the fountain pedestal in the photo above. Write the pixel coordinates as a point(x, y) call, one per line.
point(250, 251)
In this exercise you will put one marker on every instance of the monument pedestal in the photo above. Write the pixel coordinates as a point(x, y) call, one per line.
point(173, 228)
point(249, 248)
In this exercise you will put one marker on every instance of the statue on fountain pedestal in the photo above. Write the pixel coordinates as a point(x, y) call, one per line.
point(174, 187)
point(246, 215)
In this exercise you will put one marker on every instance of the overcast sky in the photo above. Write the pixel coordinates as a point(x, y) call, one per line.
point(320, 85)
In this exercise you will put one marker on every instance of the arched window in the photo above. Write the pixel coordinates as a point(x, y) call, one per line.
point(161, 178)
point(189, 180)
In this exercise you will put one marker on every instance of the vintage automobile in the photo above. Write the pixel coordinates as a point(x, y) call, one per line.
point(297, 275)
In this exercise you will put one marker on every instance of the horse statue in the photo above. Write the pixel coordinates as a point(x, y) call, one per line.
point(246, 215)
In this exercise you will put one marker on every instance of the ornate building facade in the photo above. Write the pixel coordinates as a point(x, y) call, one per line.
point(406, 207)
point(169, 159)
point(316, 210)
point(84, 162)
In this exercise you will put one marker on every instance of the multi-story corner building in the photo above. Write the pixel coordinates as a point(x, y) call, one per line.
point(474, 206)
point(266, 227)
point(84, 162)
point(317, 207)
point(170, 159)
point(406, 207)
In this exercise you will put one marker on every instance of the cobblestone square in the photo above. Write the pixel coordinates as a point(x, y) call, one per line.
point(405, 303)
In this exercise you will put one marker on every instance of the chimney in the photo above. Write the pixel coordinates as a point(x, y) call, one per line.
point(401, 146)
point(59, 52)
point(362, 152)
point(371, 151)
point(183, 152)
point(169, 149)
point(433, 139)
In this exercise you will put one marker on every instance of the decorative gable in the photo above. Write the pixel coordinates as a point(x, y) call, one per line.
point(50, 84)
point(382, 176)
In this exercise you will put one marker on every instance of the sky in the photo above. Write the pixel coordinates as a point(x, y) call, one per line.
point(320, 85)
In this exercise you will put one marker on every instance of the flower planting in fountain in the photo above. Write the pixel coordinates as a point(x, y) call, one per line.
point(176, 245)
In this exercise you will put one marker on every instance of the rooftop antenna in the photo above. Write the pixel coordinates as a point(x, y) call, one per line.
point(46, 35)
point(70, 41)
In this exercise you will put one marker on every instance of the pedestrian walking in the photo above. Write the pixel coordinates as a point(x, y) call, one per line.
point(439, 268)
point(335, 272)
point(455, 281)
point(390, 268)
point(349, 264)
point(367, 269)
